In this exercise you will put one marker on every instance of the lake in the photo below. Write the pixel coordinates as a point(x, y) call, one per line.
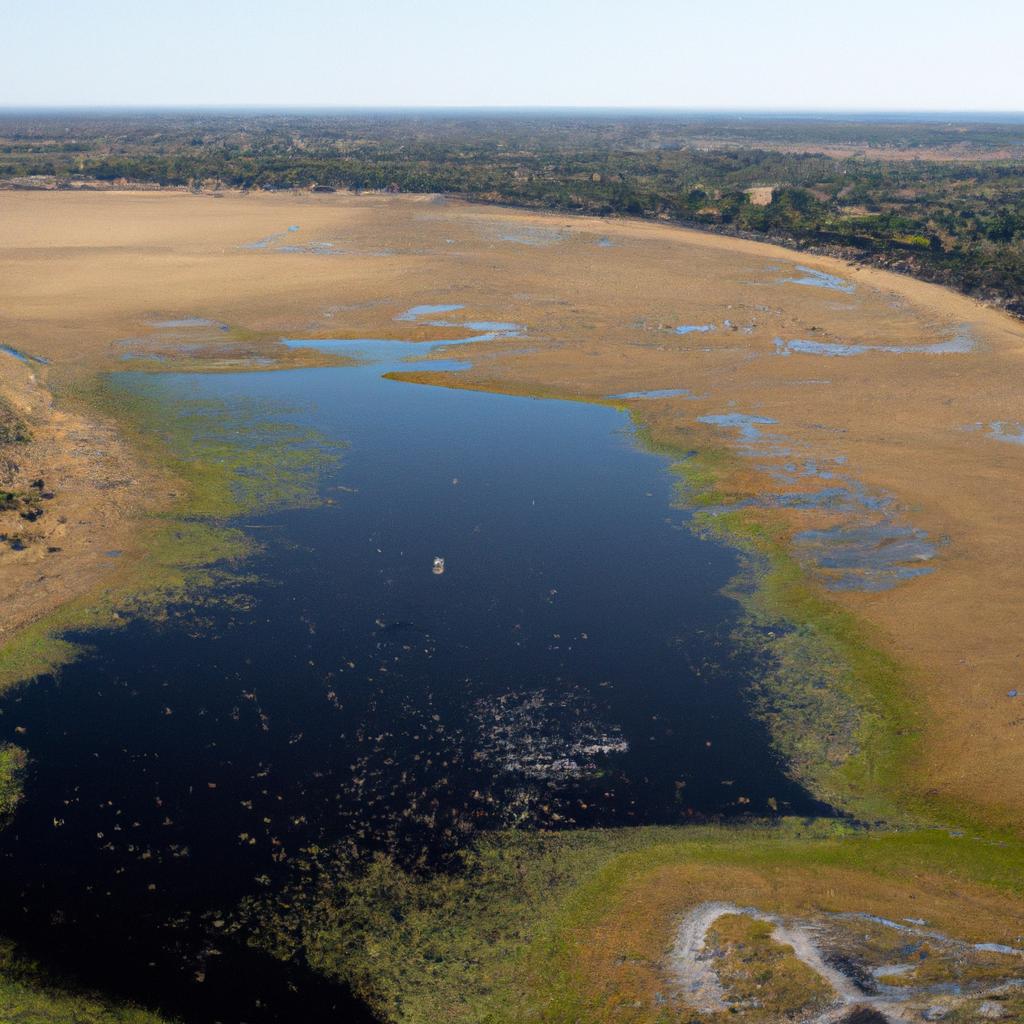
point(570, 667)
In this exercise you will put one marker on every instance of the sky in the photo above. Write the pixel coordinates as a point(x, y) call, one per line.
point(734, 54)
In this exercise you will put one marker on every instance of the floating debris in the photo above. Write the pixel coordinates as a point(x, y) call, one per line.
point(544, 736)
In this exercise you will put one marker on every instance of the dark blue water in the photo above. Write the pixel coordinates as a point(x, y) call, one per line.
point(571, 667)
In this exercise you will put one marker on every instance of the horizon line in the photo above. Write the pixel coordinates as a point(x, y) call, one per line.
point(503, 108)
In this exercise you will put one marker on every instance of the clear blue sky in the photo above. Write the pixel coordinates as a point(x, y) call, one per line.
point(861, 54)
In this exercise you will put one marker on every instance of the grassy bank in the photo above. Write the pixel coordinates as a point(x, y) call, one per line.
point(574, 926)
point(220, 460)
point(835, 703)
point(28, 997)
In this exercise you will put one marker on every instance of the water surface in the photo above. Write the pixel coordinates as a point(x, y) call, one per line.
point(570, 667)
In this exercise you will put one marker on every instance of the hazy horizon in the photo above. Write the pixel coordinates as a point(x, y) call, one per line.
point(917, 56)
point(811, 113)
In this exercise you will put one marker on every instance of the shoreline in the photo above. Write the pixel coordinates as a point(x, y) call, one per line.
point(999, 328)
point(587, 915)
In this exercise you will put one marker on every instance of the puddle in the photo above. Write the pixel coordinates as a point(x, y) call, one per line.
point(694, 328)
point(488, 329)
point(573, 666)
point(665, 393)
point(748, 427)
point(269, 240)
point(605, 243)
point(313, 249)
point(532, 235)
point(23, 357)
point(819, 279)
point(961, 344)
point(867, 549)
point(871, 557)
point(1012, 433)
point(417, 311)
point(184, 322)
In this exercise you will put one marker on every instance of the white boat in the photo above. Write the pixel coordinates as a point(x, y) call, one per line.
point(438, 565)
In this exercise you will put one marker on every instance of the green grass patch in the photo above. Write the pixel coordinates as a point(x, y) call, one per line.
point(835, 703)
point(12, 767)
point(497, 940)
point(232, 458)
point(27, 997)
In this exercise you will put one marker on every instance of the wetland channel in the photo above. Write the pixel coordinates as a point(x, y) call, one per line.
point(571, 667)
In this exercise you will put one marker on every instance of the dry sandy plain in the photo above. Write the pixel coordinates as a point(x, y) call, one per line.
point(927, 433)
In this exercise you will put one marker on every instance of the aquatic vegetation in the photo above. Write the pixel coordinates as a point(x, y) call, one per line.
point(12, 767)
point(29, 996)
point(544, 736)
point(833, 702)
point(232, 459)
point(576, 925)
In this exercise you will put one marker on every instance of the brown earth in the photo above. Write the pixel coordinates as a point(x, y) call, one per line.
point(81, 490)
point(83, 278)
